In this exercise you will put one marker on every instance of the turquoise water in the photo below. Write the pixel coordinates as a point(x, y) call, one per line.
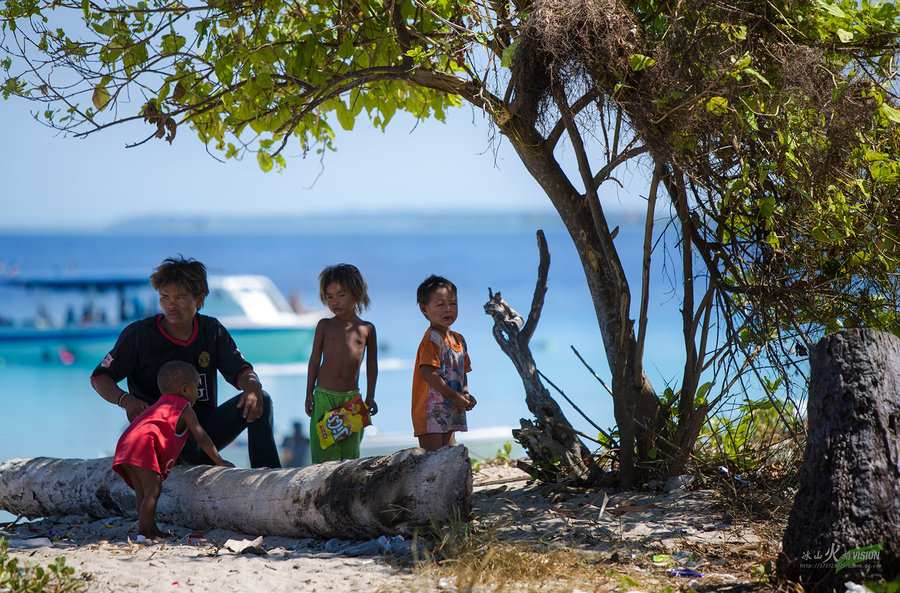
point(51, 409)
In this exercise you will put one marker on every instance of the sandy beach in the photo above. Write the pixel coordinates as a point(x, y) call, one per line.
point(588, 540)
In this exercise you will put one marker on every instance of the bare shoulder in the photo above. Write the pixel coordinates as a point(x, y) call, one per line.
point(363, 329)
point(327, 324)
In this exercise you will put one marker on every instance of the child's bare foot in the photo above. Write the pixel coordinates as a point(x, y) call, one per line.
point(154, 534)
point(159, 534)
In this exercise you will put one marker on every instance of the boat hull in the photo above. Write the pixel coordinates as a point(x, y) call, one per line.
point(276, 345)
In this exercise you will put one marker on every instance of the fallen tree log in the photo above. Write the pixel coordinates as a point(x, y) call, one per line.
point(354, 499)
point(845, 522)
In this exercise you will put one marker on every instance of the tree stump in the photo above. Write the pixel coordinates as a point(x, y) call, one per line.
point(845, 522)
point(354, 499)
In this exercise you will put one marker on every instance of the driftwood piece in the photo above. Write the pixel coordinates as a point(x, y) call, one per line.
point(847, 506)
point(355, 499)
point(551, 442)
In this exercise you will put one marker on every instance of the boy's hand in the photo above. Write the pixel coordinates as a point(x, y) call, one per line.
point(226, 463)
point(472, 401)
point(372, 406)
point(309, 405)
point(461, 400)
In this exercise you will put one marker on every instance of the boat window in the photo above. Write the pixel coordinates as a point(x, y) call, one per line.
point(281, 303)
point(219, 303)
point(257, 304)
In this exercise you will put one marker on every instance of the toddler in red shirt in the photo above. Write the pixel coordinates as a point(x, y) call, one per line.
point(147, 450)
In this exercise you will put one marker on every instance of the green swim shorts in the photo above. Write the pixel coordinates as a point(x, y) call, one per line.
point(324, 400)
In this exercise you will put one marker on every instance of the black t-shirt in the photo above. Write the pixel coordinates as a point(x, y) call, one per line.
point(144, 346)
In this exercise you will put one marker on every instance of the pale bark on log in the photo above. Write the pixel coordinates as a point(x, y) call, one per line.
point(354, 499)
point(849, 492)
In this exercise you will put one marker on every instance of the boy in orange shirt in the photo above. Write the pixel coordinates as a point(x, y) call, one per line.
point(440, 394)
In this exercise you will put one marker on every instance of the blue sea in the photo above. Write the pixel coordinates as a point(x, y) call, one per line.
point(51, 409)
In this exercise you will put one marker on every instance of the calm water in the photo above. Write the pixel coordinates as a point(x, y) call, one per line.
point(51, 410)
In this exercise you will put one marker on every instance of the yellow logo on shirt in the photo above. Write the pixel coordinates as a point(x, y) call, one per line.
point(204, 359)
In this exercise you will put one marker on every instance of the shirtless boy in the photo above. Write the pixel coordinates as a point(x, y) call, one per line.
point(339, 345)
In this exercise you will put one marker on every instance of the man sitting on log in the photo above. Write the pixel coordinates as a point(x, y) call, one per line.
point(181, 333)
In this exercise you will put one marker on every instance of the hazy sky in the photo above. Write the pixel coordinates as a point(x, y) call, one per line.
point(51, 181)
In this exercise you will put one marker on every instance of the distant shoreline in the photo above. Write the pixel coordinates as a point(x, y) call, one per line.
point(315, 223)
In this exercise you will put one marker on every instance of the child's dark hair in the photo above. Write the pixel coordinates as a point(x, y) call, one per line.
point(348, 276)
point(188, 273)
point(174, 374)
point(431, 284)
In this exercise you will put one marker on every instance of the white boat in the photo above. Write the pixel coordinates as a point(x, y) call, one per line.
point(258, 317)
point(262, 322)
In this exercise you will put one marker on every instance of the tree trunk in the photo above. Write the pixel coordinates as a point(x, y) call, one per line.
point(355, 499)
point(552, 445)
point(634, 401)
point(849, 493)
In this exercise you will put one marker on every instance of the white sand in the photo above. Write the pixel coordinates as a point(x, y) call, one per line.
point(104, 549)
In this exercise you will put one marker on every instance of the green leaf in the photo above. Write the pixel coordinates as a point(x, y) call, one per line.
point(761, 78)
point(345, 116)
point(135, 57)
point(767, 206)
point(890, 113)
point(108, 28)
point(265, 160)
point(225, 69)
point(264, 81)
point(832, 9)
point(819, 234)
point(639, 62)
point(345, 50)
point(417, 54)
point(717, 105)
point(844, 35)
point(100, 98)
point(172, 43)
point(742, 62)
point(387, 108)
point(750, 119)
point(700, 397)
point(509, 53)
point(163, 92)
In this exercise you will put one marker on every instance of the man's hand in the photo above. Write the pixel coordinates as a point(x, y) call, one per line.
point(251, 403)
point(309, 405)
point(133, 406)
point(372, 406)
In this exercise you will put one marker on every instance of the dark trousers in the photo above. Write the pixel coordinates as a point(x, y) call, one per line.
point(225, 423)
